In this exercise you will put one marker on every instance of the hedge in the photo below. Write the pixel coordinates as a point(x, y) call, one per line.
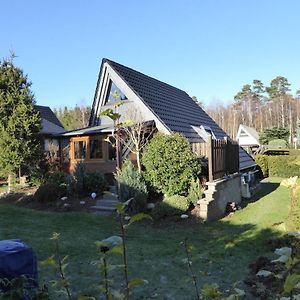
point(283, 166)
point(262, 161)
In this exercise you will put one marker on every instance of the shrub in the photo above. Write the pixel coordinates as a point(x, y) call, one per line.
point(273, 133)
point(283, 166)
point(57, 178)
point(83, 183)
point(170, 206)
point(94, 182)
point(278, 142)
point(48, 192)
point(132, 185)
point(195, 192)
point(37, 177)
point(262, 161)
point(169, 163)
point(78, 178)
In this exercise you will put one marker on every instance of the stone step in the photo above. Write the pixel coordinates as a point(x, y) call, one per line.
point(110, 193)
point(113, 189)
point(107, 202)
point(110, 197)
point(103, 208)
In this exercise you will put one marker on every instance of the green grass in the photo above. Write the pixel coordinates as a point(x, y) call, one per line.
point(221, 250)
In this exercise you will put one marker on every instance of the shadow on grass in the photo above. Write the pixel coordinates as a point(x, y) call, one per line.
point(221, 253)
point(266, 189)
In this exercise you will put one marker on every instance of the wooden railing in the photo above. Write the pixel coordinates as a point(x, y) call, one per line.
point(223, 157)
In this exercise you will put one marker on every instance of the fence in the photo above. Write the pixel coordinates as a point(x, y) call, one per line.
point(223, 157)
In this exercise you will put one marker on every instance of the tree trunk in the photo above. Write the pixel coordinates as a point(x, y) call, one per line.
point(138, 161)
point(9, 182)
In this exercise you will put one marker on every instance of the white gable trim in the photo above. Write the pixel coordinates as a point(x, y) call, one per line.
point(107, 74)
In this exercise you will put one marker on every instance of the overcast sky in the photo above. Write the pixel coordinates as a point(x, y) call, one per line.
point(207, 48)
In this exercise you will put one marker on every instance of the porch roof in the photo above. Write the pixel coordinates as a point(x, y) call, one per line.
point(88, 131)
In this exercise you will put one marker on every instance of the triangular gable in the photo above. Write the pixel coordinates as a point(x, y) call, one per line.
point(109, 82)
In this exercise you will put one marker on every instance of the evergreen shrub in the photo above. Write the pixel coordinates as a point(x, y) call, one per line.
point(58, 178)
point(48, 192)
point(170, 206)
point(169, 163)
point(94, 182)
point(132, 186)
point(262, 162)
point(195, 192)
point(83, 183)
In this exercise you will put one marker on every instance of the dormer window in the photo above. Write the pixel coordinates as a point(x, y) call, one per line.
point(208, 130)
point(114, 94)
point(204, 132)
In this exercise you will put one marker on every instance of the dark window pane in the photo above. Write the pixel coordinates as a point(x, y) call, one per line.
point(95, 149)
point(111, 152)
point(80, 150)
point(114, 93)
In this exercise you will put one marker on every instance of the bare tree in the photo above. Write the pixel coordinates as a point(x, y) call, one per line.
point(135, 133)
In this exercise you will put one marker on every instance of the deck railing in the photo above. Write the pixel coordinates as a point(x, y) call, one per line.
point(223, 157)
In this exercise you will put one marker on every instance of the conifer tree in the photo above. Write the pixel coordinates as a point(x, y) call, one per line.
point(20, 123)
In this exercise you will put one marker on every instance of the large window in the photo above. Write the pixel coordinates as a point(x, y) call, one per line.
point(80, 150)
point(114, 93)
point(96, 149)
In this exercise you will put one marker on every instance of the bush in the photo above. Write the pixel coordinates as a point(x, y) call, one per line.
point(169, 163)
point(278, 142)
point(170, 206)
point(94, 182)
point(195, 192)
point(83, 184)
point(48, 192)
point(78, 179)
point(37, 177)
point(132, 185)
point(57, 178)
point(283, 166)
point(262, 161)
point(270, 134)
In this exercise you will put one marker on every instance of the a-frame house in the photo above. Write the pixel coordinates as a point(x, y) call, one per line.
point(171, 109)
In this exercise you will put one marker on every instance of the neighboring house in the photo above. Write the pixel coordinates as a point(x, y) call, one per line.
point(144, 99)
point(51, 127)
point(248, 138)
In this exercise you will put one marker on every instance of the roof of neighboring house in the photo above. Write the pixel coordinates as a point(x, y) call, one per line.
point(50, 123)
point(87, 131)
point(172, 106)
point(251, 132)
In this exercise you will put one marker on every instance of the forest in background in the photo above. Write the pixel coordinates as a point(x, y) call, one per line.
point(259, 106)
point(73, 117)
point(256, 105)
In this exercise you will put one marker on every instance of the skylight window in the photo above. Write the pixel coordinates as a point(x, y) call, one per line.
point(208, 130)
point(114, 94)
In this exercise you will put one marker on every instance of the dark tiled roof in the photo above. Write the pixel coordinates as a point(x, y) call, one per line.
point(47, 114)
point(174, 107)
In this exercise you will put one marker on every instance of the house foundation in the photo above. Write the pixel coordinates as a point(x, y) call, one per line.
point(218, 194)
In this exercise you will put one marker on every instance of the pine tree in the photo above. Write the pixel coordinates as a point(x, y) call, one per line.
point(20, 123)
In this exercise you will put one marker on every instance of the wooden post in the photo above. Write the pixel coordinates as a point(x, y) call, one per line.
point(118, 151)
point(210, 159)
point(226, 156)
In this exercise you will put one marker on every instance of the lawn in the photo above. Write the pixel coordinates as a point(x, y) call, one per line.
point(221, 250)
